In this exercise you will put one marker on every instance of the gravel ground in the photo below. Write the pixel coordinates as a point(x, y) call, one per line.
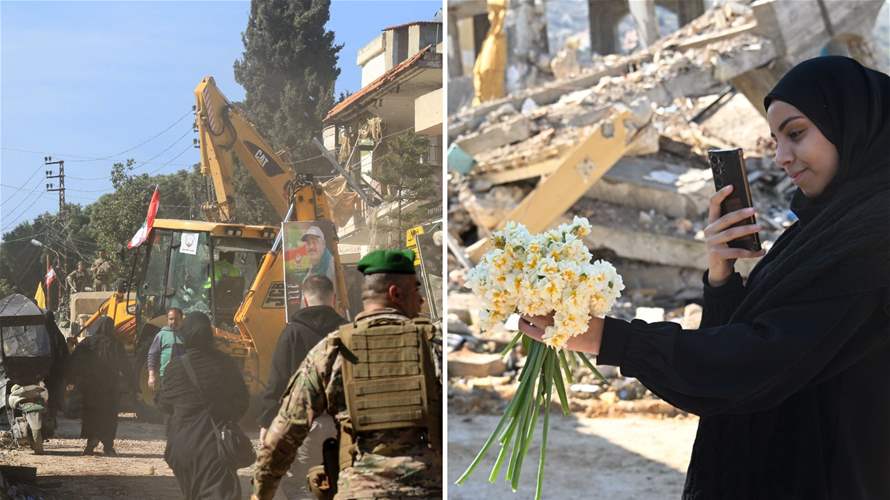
point(629, 458)
point(137, 473)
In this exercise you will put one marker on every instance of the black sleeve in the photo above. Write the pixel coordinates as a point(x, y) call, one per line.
point(747, 367)
point(279, 375)
point(233, 399)
point(720, 302)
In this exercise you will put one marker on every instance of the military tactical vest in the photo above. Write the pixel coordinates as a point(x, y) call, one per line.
point(388, 373)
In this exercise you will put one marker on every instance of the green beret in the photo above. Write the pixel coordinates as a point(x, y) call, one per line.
point(387, 261)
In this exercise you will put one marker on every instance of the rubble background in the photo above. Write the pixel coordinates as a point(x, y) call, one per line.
point(647, 212)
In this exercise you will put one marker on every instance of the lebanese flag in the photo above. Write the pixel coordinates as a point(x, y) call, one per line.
point(143, 232)
point(50, 276)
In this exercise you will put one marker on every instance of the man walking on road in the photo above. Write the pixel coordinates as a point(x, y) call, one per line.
point(166, 345)
point(308, 326)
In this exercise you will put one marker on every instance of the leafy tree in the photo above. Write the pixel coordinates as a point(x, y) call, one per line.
point(411, 184)
point(251, 205)
point(64, 239)
point(6, 288)
point(288, 70)
point(116, 216)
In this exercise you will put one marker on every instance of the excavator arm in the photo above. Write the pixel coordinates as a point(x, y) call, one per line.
point(224, 134)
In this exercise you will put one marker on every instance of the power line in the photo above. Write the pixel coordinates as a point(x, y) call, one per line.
point(20, 188)
point(83, 158)
point(27, 196)
point(31, 236)
point(108, 157)
point(139, 164)
point(153, 172)
point(24, 211)
point(56, 153)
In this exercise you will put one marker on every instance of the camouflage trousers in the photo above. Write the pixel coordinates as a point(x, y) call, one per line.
point(377, 477)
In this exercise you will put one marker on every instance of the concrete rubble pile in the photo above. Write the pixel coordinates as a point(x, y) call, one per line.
point(649, 210)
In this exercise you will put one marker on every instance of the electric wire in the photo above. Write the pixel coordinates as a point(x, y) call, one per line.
point(19, 188)
point(108, 157)
point(139, 164)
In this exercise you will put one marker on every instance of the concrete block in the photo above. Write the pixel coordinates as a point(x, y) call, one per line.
point(494, 136)
point(732, 64)
point(631, 243)
point(631, 183)
point(466, 363)
point(460, 93)
point(87, 303)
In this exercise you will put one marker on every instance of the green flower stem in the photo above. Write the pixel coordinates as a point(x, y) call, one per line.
point(496, 470)
point(512, 344)
point(516, 458)
point(565, 366)
point(586, 361)
point(548, 386)
point(560, 387)
point(486, 445)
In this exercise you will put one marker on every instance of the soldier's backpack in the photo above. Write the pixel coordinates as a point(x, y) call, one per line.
point(389, 375)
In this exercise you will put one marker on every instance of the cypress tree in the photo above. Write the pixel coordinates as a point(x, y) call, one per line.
point(288, 69)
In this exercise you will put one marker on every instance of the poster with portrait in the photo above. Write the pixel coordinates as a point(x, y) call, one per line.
point(308, 250)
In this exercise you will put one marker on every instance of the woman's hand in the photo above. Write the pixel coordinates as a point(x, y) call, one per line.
point(588, 342)
point(722, 257)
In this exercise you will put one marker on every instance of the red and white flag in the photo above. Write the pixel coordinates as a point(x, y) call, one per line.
point(143, 232)
point(49, 277)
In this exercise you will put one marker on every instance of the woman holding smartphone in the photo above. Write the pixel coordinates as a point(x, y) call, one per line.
point(789, 371)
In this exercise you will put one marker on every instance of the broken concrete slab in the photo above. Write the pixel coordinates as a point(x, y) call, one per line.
point(466, 363)
point(494, 136)
point(683, 192)
point(488, 209)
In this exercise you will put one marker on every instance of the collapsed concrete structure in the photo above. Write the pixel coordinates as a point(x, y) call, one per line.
point(698, 88)
point(401, 92)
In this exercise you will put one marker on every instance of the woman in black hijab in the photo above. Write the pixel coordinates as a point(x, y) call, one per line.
point(191, 445)
point(790, 371)
point(100, 369)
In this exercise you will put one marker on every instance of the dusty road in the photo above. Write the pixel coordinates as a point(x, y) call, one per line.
point(138, 472)
point(629, 458)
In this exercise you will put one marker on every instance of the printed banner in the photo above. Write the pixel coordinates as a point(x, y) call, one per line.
point(308, 250)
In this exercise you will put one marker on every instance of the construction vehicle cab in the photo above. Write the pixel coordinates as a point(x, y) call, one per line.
point(198, 266)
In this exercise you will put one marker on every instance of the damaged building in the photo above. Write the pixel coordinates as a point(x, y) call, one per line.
point(401, 71)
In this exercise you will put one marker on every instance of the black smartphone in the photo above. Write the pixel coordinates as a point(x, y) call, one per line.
point(728, 166)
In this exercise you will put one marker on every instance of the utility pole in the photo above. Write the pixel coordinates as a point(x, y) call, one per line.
point(48, 160)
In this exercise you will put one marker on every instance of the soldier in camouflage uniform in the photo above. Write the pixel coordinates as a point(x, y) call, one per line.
point(101, 270)
point(391, 463)
point(78, 279)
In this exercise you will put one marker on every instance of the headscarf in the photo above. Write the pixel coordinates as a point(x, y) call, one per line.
point(197, 331)
point(849, 103)
point(841, 244)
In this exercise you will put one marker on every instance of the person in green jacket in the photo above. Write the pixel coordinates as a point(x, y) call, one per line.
point(166, 345)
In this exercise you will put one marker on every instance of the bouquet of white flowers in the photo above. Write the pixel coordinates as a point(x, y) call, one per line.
point(534, 275)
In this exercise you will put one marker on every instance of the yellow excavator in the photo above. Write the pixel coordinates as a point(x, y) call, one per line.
point(232, 272)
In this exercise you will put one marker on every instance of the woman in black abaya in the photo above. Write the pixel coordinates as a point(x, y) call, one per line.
point(789, 371)
point(99, 367)
point(191, 445)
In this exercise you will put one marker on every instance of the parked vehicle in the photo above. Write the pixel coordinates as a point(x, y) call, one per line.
point(26, 360)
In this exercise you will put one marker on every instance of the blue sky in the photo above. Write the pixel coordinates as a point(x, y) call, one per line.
point(87, 80)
